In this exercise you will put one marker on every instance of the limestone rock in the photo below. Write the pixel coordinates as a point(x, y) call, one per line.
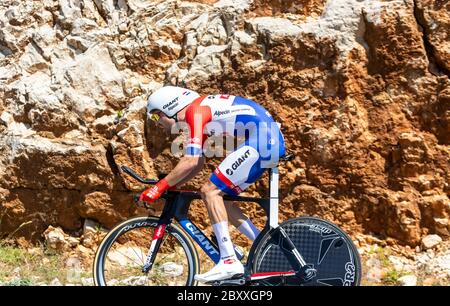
point(55, 282)
point(408, 280)
point(434, 19)
point(274, 28)
point(239, 5)
point(87, 281)
point(430, 241)
point(55, 239)
point(93, 74)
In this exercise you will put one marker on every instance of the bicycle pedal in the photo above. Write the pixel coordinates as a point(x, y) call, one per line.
point(237, 280)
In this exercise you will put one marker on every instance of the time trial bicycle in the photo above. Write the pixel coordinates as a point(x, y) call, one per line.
point(156, 251)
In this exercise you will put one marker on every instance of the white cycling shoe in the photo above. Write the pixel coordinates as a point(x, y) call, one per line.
point(223, 270)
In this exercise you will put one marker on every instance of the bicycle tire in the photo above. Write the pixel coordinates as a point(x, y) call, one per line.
point(149, 224)
point(321, 244)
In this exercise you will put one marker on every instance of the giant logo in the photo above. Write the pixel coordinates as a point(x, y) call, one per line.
point(201, 239)
point(171, 104)
point(238, 162)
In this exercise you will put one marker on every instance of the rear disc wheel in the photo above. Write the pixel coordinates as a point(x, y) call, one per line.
point(324, 247)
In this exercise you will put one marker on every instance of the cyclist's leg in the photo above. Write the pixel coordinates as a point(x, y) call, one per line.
point(231, 177)
point(212, 196)
point(241, 221)
point(236, 172)
point(235, 214)
point(236, 166)
point(228, 265)
point(246, 165)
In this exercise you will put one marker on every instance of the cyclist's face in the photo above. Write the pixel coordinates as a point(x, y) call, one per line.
point(162, 120)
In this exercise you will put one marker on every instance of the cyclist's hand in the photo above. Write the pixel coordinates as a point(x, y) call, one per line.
point(152, 194)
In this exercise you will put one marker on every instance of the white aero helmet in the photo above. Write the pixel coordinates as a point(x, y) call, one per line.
point(170, 100)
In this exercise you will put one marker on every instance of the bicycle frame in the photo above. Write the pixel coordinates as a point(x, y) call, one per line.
point(177, 207)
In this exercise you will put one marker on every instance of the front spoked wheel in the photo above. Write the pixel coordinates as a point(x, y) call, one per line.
point(123, 252)
point(324, 247)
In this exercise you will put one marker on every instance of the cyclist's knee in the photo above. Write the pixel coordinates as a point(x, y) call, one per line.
point(209, 190)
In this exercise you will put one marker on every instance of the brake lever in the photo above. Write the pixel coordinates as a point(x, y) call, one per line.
point(143, 204)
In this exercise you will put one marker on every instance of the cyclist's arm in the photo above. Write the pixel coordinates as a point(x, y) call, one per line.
point(193, 172)
point(196, 117)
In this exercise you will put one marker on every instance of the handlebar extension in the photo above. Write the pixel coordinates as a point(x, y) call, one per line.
point(137, 177)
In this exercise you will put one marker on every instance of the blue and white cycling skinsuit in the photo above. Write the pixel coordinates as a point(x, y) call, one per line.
point(227, 114)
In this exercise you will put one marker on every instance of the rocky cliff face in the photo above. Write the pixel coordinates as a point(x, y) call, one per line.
point(361, 88)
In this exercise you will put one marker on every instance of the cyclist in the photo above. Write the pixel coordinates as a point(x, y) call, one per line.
point(218, 114)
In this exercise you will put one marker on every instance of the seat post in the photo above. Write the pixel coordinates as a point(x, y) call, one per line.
point(273, 193)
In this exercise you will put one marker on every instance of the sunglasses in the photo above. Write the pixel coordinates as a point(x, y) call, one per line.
point(154, 117)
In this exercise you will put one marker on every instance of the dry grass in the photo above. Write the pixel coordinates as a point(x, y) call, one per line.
point(38, 266)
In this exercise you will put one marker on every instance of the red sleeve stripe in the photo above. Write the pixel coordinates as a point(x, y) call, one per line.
point(227, 181)
point(223, 178)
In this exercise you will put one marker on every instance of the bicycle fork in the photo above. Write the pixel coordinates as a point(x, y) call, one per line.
point(154, 247)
